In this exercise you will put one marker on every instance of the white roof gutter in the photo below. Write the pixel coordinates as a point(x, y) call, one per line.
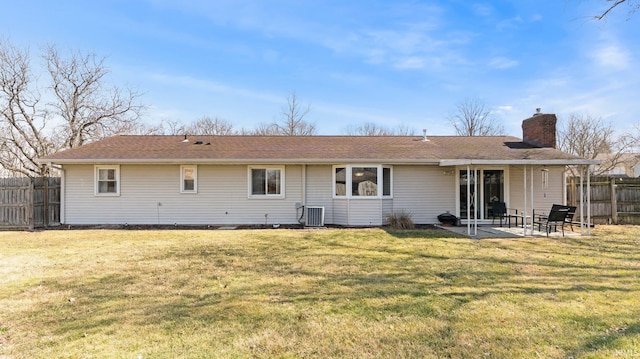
point(443, 163)
point(237, 161)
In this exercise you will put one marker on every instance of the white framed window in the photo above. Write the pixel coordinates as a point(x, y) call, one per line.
point(107, 180)
point(362, 181)
point(266, 181)
point(387, 181)
point(188, 179)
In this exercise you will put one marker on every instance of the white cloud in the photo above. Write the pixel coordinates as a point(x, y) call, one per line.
point(213, 86)
point(411, 63)
point(611, 56)
point(483, 10)
point(502, 63)
point(411, 36)
point(510, 23)
point(535, 18)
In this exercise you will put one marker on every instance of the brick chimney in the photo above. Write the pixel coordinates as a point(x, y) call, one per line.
point(540, 129)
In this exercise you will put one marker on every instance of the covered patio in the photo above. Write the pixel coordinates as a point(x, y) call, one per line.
point(494, 231)
point(528, 197)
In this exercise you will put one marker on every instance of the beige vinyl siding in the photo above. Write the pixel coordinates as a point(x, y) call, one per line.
point(150, 194)
point(543, 199)
point(424, 191)
point(387, 208)
point(365, 212)
point(341, 212)
point(319, 190)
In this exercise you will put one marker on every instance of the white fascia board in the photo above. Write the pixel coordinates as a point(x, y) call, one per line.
point(465, 162)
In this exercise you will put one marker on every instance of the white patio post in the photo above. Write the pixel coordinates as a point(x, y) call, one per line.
point(589, 200)
point(468, 200)
point(581, 199)
point(475, 201)
point(524, 191)
point(531, 189)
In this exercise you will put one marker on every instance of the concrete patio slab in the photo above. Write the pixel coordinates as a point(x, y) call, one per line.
point(489, 231)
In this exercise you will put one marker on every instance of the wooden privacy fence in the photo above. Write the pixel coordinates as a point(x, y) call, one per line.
point(28, 203)
point(613, 200)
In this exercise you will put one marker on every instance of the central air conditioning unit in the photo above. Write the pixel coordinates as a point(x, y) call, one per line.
point(314, 216)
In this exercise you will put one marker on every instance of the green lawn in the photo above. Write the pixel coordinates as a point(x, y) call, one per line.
point(319, 293)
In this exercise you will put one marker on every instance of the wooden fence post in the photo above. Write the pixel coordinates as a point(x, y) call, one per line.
point(614, 201)
point(30, 206)
point(45, 210)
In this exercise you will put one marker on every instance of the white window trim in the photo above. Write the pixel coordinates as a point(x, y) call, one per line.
point(349, 177)
point(381, 171)
point(195, 178)
point(267, 168)
point(96, 178)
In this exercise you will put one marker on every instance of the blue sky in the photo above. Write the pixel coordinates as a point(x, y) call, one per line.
point(387, 62)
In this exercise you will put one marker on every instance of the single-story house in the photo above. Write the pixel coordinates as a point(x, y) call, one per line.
point(346, 180)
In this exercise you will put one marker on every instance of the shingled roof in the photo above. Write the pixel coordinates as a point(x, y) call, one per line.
point(443, 150)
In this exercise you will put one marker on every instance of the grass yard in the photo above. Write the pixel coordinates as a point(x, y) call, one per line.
point(317, 294)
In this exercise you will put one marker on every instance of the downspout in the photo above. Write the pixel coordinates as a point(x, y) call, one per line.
point(304, 185)
point(303, 195)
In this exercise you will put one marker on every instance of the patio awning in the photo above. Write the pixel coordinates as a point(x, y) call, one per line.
point(521, 162)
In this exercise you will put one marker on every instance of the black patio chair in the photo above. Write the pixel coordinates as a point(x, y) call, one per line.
point(556, 217)
point(570, 214)
point(498, 210)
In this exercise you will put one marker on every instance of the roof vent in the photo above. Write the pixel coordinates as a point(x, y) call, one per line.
point(198, 142)
point(424, 135)
point(185, 139)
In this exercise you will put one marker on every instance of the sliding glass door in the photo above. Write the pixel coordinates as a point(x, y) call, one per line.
point(490, 188)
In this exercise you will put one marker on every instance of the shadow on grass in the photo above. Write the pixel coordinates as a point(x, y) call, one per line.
point(610, 340)
point(270, 283)
point(424, 287)
point(425, 233)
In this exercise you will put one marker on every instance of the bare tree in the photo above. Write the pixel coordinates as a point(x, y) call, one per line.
point(23, 117)
point(142, 128)
point(164, 127)
point(210, 126)
point(474, 118)
point(293, 122)
point(264, 129)
point(633, 6)
point(403, 130)
point(372, 129)
point(202, 126)
point(81, 108)
point(589, 137)
point(89, 110)
point(366, 129)
point(633, 138)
